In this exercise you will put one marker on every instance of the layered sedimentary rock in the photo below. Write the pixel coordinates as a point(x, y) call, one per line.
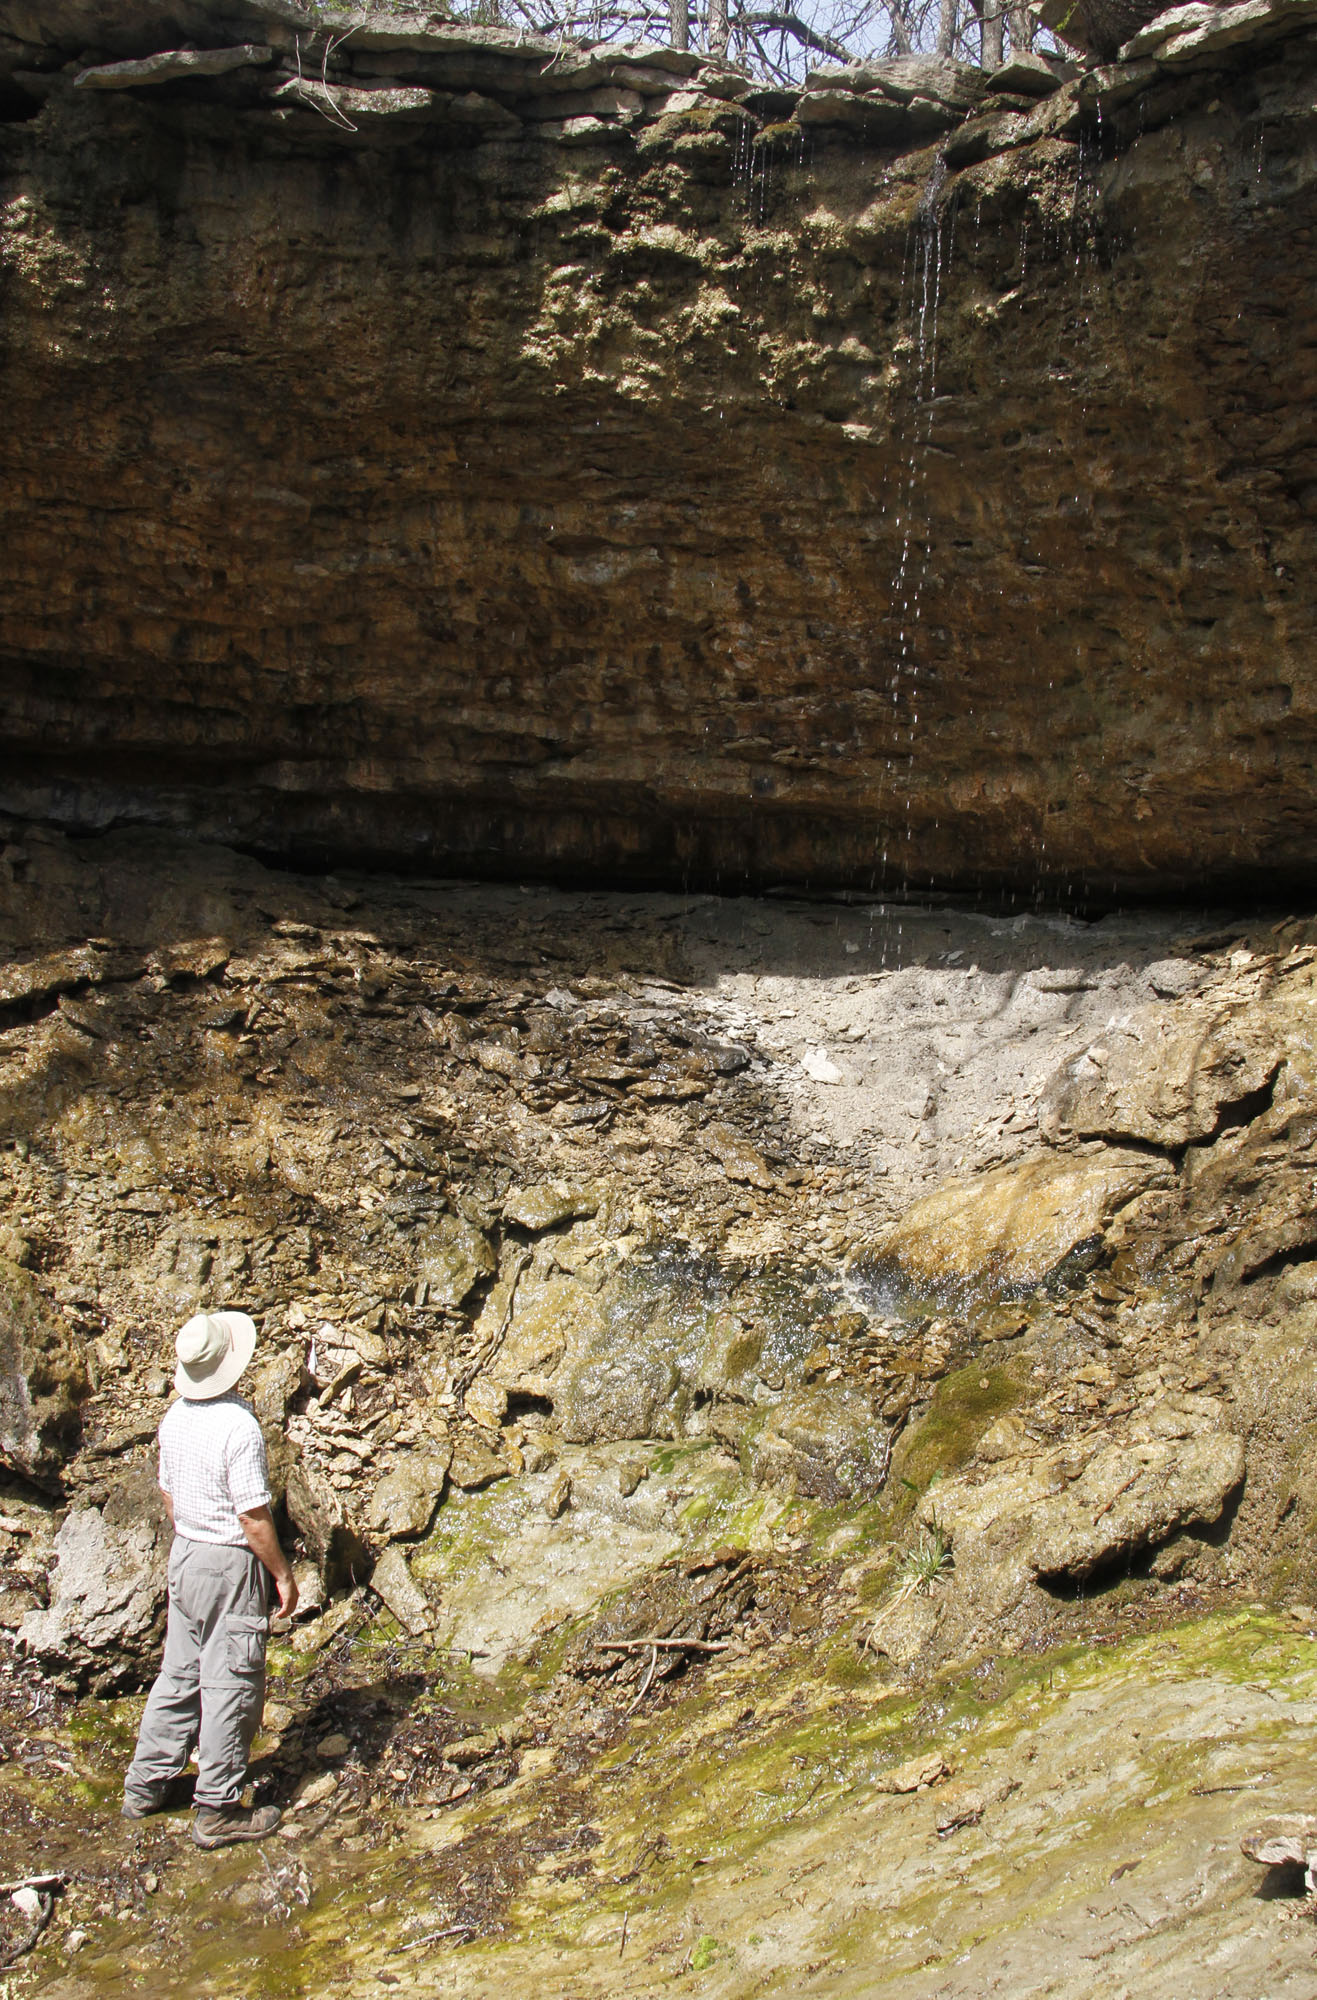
point(426, 449)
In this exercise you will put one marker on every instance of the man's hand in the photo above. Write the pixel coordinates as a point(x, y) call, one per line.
point(258, 1527)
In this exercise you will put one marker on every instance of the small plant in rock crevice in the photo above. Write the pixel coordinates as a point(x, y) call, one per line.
point(928, 1558)
point(924, 1561)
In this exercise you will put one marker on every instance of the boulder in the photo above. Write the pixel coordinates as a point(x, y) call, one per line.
point(1100, 26)
point(404, 1502)
point(43, 1380)
point(550, 1316)
point(318, 1514)
point(1087, 1505)
point(1012, 1227)
point(1130, 1497)
point(617, 1395)
point(106, 1617)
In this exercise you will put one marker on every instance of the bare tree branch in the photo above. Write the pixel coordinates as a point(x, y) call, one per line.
point(773, 39)
point(810, 38)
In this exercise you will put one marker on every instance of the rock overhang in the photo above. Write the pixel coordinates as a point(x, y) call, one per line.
point(688, 493)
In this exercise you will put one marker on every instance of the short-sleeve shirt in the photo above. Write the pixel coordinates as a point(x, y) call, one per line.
point(212, 1466)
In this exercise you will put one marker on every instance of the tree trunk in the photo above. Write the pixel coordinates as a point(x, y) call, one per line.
point(947, 21)
point(717, 28)
point(992, 34)
point(679, 24)
point(1023, 27)
point(900, 26)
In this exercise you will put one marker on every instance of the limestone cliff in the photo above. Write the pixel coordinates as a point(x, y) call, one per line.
point(465, 457)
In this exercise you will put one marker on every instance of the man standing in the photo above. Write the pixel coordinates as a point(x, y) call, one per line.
point(211, 1688)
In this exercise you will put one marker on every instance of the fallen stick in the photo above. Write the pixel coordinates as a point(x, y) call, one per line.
point(29, 1938)
point(648, 1677)
point(665, 1645)
point(40, 1882)
point(432, 1937)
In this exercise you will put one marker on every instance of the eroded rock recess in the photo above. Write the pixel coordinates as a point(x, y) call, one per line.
point(449, 448)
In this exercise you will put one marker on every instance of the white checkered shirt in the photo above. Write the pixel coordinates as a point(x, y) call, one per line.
point(212, 1466)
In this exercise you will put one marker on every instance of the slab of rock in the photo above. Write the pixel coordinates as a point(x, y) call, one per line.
point(107, 1609)
point(959, 1805)
point(404, 1502)
point(818, 1064)
point(29, 982)
point(1166, 26)
point(398, 1591)
point(1130, 1497)
point(1287, 1840)
point(169, 65)
point(452, 1257)
point(486, 1402)
point(1166, 1081)
point(275, 1384)
point(474, 1465)
point(907, 1629)
point(1014, 1225)
point(318, 1514)
point(1026, 75)
point(917, 1774)
point(739, 1160)
point(549, 1205)
point(43, 1380)
point(1254, 20)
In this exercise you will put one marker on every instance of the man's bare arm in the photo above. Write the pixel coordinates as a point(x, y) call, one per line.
point(168, 1499)
point(262, 1540)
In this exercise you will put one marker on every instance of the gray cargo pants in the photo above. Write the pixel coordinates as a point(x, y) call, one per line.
point(210, 1690)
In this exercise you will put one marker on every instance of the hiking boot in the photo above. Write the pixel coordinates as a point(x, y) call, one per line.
point(220, 1826)
point(172, 1797)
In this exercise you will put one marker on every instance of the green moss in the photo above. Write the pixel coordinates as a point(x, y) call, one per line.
point(706, 1952)
point(785, 134)
point(964, 1405)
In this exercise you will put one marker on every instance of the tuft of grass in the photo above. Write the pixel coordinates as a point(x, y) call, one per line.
point(918, 1569)
point(924, 1561)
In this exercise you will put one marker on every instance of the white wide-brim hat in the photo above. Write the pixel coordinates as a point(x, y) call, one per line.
point(213, 1349)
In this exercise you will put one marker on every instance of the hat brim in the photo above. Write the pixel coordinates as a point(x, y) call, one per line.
point(242, 1338)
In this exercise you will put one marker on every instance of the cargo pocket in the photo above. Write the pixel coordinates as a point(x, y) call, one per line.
point(245, 1641)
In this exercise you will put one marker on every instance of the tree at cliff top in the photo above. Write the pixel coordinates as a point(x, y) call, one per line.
point(777, 39)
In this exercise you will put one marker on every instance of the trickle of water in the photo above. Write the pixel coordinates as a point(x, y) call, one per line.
point(921, 298)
